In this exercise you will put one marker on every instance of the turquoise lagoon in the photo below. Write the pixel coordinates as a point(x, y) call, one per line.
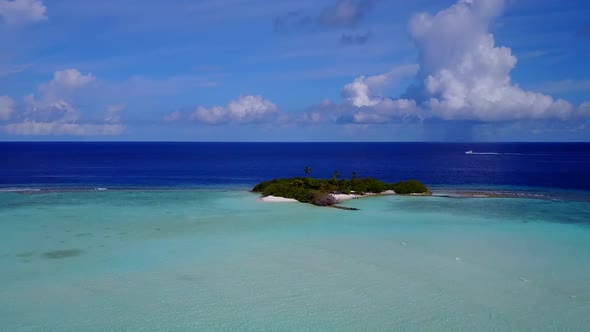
point(207, 260)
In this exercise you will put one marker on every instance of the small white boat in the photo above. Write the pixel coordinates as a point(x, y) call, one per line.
point(469, 152)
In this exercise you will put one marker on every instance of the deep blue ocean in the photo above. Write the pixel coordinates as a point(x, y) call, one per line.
point(546, 165)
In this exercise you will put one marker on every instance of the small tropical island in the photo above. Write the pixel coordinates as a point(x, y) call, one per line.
point(329, 192)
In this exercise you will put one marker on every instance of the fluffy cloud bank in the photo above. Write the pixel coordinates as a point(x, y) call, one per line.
point(52, 111)
point(463, 75)
point(33, 128)
point(20, 12)
point(246, 109)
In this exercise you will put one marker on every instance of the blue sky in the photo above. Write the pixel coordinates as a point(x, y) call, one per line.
point(322, 70)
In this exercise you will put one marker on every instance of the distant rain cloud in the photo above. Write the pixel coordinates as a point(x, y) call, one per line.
point(344, 13)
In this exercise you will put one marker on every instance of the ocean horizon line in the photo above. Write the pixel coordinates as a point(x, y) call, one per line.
point(302, 142)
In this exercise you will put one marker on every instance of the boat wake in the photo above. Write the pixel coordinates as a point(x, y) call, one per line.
point(507, 153)
point(471, 152)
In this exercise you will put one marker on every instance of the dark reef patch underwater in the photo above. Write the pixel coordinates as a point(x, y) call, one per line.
point(59, 254)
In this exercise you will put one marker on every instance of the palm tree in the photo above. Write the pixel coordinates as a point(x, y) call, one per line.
point(354, 176)
point(307, 170)
point(335, 175)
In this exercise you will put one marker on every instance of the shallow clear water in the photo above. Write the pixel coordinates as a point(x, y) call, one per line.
point(222, 260)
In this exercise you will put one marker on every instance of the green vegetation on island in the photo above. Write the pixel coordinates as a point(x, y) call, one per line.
point(319, 191)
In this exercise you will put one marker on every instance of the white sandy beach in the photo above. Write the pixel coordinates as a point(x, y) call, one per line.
point(275, 199)
point(339, 197)
point(344, 197)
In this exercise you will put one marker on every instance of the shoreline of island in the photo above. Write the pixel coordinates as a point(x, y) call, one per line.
point(459, 194)
point(340, 198)
point(334, 191)
point(477, 191)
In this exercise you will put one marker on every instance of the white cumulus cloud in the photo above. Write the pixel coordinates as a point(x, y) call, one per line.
point(55, 113)
point(6, 107)
point(59, 111)
point(364, 100)
point(61, 118)
point(462, 75)
point(368, 91)
point(245, 109)
point(21, 12)
point(466, 76)
point(64, 85)
point(54, 100)
point(71, 78)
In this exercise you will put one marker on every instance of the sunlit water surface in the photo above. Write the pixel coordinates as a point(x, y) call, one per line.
point(222, 260)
